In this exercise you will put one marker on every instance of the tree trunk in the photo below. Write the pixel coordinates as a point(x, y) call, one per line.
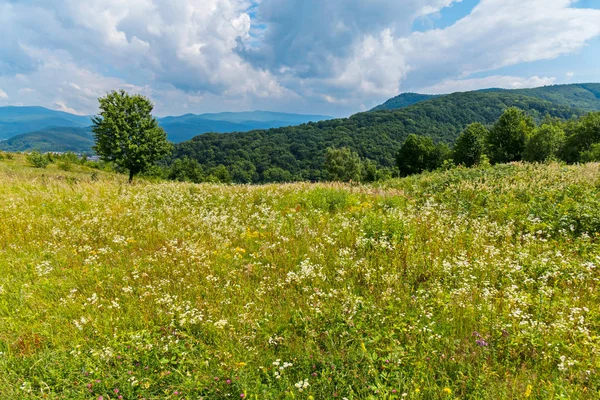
point(131, 176)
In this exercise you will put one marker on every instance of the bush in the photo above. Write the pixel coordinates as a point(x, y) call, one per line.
point(65, 166)
point(38, 160)
point(591, 155)
point(186, 170)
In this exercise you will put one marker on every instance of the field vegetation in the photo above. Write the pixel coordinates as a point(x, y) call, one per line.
point(470, 283)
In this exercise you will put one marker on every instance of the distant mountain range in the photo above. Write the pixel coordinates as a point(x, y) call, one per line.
point(185, 127)
point(28, 128)
point(18, 120)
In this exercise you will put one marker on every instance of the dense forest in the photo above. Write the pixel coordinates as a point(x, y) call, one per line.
point(298, 153)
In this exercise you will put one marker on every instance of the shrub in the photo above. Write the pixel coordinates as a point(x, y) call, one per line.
point(38, 160)
point(591, 155)
point(65, 166)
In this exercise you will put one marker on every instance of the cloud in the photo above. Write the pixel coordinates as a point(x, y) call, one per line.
point(3, 94)
point(501, 33)
point(333, 56)
point(504, 82)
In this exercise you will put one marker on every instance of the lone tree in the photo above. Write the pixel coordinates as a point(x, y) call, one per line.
point(127, 134)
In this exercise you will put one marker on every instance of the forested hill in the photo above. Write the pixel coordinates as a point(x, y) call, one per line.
point(585, 96)
point(375, 135)
point(404, 100)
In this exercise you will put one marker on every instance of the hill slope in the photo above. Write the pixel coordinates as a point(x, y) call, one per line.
point(584, 96)
point(59, 139)
point(404, 100)
point(375, 135)
point(445, 286)
point(17, 120)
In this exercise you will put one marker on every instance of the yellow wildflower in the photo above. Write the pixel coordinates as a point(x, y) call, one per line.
point(447, 390)
point(528, 391)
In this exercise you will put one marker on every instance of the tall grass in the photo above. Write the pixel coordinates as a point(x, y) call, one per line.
point(464, 284)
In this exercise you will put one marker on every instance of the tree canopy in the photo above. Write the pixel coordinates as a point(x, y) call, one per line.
point(127, 134)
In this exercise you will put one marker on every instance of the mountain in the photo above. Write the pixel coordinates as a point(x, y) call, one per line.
point(377, 135)
point(58, 139)
point(187, 126)
point(584, 96)
point(404, 100)
point(38, 120)
point(18, 120)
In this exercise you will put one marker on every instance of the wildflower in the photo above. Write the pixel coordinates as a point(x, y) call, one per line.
point(447, 390)
point(302, 385)
point(528, 391)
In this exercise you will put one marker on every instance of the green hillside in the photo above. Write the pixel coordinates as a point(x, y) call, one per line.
point(59, 139)
point(585, 96)
point(185, 127)
point(374, 135)
point(404, 100)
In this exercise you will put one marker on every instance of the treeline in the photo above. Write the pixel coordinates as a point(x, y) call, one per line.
point(513, 137)
point(298, 153)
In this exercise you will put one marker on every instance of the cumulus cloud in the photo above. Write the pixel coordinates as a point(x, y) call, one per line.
point(330, 56)
point(3, 94)
point(499, 33)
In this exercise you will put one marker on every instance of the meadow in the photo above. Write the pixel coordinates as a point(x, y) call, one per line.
point(471, 283)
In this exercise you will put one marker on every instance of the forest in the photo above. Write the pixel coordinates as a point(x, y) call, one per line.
point(298, 153)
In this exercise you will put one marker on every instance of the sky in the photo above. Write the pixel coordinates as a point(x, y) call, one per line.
point(332, 57)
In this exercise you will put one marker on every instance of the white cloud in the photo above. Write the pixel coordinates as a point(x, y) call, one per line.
point(3, 94)
point(500, 33)
point(330, 56)
point(503, 82)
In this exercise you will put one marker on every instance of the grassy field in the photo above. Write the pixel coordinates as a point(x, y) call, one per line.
point(479, 284)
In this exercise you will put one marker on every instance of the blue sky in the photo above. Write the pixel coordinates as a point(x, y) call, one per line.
point(333, 57)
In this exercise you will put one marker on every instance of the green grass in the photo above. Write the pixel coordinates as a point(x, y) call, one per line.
point(478, 284)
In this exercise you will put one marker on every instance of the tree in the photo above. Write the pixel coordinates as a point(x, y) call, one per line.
point(127, 134)
point(343, 164)
point(277, 174)
point(582, 134)
point(186, 170)
point(507, 138)
point(418, 154)
point(470, 145)
point(591, 155)
point(545, 144)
